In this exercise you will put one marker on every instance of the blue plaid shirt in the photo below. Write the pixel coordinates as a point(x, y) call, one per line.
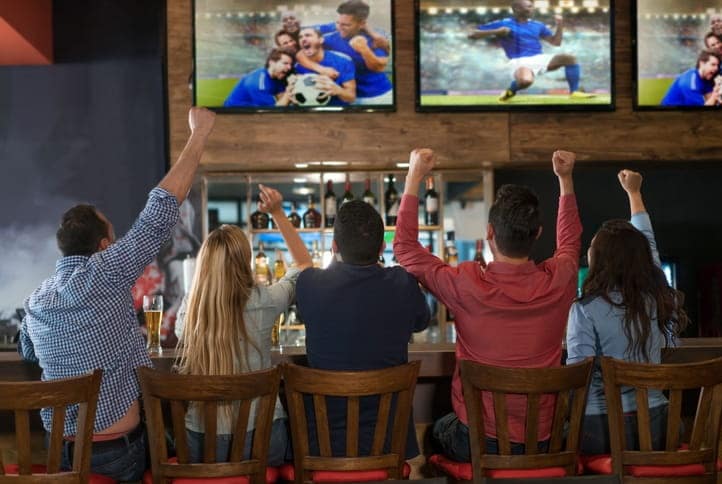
point(82, 317)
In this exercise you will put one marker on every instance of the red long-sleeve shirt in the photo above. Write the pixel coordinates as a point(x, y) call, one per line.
point(508, 315)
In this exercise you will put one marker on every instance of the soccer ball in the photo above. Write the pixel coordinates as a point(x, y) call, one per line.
point(305, 92)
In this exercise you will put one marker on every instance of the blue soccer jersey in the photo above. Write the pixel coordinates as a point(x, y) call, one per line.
point(368, 83)
point(688, 90)
point(342, 63)
point(255, 89)
point(524, 37)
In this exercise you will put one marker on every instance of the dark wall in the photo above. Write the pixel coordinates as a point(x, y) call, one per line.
point(683, 200)
point(89, 128)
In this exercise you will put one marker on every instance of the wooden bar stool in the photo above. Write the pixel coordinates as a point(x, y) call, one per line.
point(567, 387)
point(307, 391)
point(209, 391)
point(26, 397)
point(695, 461)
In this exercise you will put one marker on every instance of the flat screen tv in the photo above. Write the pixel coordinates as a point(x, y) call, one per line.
point(668, 267)
point(677, 51)
point(293, 55)
point(514, 55)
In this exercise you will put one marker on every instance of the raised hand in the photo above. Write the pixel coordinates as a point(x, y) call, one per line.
point(421, 162)
point(630, 180)
point(201, 120)
point(559, 20)
point(271, 199)
point(563, 163)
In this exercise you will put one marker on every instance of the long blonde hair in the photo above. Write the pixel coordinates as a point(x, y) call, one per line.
point(214, 340)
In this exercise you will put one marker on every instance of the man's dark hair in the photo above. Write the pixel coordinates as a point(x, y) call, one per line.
point(358, 232)
point(275, 39)
point(356, 8)
point(81, 230)
point(276, 54)
point(707, 36)
point(516, 220)
point(705, 55)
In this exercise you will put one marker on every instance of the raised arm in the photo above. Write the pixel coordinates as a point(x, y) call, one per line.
point(271, 203)
point(180, 177)
point(569, 227)
point(631, 182)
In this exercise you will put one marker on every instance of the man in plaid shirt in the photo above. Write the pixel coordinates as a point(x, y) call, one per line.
point(82, 317)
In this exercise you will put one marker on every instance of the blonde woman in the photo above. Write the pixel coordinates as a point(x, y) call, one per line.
point(224, 326)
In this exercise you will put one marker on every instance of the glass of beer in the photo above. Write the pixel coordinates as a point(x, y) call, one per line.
point(153, 310)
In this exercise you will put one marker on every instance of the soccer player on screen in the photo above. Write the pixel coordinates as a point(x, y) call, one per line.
point(521, 40)
point(343, 89)
point(266, 86)
point(351, 38)
point(696, 86)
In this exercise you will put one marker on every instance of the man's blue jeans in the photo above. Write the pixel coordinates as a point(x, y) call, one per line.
point(450, 437)
point(122, 459)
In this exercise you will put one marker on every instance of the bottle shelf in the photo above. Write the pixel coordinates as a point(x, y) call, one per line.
point(299, 230)
point(291, 327)
point(422, 228)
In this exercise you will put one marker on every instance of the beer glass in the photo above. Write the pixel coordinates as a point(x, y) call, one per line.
point(153, 310)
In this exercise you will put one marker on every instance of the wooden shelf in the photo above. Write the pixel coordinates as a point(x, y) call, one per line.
point(292, 327)
point(422, 228)
point(299, 230)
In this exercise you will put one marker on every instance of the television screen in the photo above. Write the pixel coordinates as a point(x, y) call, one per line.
point(514, 54)
point(678, 48)
point(293, 55)
point(669, 268)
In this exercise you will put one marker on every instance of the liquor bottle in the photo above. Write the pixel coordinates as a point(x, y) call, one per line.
point(259, 220)
point(316, 258)
point(262, 272)
point(279, 266)
point(293, 217)
point(451, 255)
point(391, 198)
point(368, 196)
point(329, 204)
point(312, 217)
point(431, 203)
point(479, 255)
point(347, 195)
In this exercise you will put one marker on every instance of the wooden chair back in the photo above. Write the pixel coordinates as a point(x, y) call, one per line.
point(674, 379)
point(568, 385)
point(394, 388)
point(178, 391)
point(26, 397)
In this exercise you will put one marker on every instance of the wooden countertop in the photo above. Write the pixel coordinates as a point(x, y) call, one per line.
point(437, 360)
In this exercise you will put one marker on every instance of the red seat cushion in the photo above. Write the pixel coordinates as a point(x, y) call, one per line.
point(288, 473)
point(463, 470)
point(40, 469)
point(271, 477)
point(602, 464)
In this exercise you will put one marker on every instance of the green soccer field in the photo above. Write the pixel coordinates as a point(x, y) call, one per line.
point(651, 91)
point(212, 92)
point(519, 99)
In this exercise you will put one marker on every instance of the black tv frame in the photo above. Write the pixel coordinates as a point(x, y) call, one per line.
point(499, 107)
point(634, 4)
point(297, 109)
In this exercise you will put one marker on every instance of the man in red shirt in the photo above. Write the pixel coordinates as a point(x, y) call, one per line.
point(511, 313)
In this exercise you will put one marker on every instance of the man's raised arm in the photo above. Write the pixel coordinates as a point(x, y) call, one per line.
point(180, 177)
point(569, 227)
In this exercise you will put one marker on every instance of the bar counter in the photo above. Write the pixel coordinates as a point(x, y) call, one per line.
point(437, 360)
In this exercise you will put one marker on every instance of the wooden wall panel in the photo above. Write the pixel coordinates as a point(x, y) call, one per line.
point(275, 142)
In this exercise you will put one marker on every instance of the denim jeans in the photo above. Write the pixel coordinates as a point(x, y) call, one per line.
point(595, 431)
point(278, 452)
point(122, 459)
point(450, 437)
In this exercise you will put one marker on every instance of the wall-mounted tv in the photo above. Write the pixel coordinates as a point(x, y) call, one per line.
point(514, 55)
point(678, 44)
point(293, 55)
